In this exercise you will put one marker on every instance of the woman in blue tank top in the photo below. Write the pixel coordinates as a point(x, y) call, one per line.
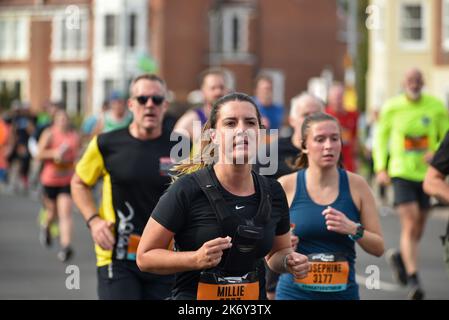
point(330, 209)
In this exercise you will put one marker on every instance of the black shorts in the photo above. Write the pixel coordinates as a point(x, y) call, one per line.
point(122, 280)
point(410, 191)
point(53, 192)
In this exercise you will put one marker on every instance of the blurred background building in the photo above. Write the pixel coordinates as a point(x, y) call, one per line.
point(408, 33)
point(79, 51)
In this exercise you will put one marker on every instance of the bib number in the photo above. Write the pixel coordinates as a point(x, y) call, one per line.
point(416, 143)
point(329, 273)
point(215, 287)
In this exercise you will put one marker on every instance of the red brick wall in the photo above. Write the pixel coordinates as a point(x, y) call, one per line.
point(180, 42)
point(300, 38)
point(39, 64)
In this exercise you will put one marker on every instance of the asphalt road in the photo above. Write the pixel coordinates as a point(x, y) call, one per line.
point(29, 271)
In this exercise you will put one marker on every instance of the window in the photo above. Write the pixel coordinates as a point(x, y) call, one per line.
point(132, 37)
point(14, 38)
point(12, 88)
point(412, 30)
point(445, 24)
point(80, 88)
point(73, 95)
point(110, 31)
point(69, 41)
point(68, 85)
point(230, 31)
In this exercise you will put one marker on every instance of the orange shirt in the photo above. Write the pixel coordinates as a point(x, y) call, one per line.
point(4, 134)
point(58, 174)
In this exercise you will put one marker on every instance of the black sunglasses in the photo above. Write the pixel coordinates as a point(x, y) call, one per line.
point(157, 100)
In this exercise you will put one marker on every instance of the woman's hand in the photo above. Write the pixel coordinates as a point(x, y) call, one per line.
point(209, 255)
point(297, 264)
point(338, 222)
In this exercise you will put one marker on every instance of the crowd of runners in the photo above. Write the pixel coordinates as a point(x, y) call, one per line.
point(187, 209)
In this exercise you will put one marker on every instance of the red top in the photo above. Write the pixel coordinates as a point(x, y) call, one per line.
point(59, 174)
point(348, 122)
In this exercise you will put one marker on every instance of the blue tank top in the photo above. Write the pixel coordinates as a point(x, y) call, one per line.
point(314, 238)
point(201, 115)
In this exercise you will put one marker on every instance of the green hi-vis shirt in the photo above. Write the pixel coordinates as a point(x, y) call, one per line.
point(408, 130)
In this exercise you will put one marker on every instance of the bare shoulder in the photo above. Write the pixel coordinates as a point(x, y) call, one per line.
point(359, 188)
point(357, 180)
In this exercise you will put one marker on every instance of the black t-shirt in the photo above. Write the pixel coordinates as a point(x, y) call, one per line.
point(287, 154)
point(139, 175)
point(441, 159)
point(185, 210)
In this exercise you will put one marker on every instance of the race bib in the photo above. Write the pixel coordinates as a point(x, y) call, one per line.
point(133, 243)
point(215, 287)
point(416, 143)
point(329, 273)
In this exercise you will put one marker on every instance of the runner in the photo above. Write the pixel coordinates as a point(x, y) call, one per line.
point(331, 209)
point(134, 163)
point(413, 123)
point(230, 235)
point(58, 148)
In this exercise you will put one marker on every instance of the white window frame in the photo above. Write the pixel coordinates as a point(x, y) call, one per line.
point(222, 33)
point(12, 75)
point(117, 19)
point(445, 25)
point(15, 45)
point(422, 44)
point(71, 52)
point(71, 75)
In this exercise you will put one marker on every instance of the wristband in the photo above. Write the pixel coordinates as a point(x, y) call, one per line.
point(284, 263)
point(90, 219)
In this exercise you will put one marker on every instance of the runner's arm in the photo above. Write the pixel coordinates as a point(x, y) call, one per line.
point(44, 152)
point(282, 258)
point(435, 184)
point(153, 255)
point(372, 241)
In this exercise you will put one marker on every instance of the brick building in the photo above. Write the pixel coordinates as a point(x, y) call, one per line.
point(79, 50)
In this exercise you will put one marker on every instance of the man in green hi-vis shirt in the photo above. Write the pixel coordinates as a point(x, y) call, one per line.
point(411, 126)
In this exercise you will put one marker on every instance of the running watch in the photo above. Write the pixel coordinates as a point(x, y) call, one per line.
point(358, 233)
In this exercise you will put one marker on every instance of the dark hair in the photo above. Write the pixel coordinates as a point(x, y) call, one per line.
point(211, 71)
point(147, 76)
point(205, 155)
point(263, 76)
point(303, 161)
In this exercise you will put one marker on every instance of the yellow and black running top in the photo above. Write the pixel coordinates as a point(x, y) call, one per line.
point(135, 174)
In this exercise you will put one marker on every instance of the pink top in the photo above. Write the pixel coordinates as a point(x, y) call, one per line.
point(58, 174)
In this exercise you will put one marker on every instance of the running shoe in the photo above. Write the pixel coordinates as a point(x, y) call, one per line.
point(394, 259)
point(65, 254)
point(416, 292)
point(45, 236)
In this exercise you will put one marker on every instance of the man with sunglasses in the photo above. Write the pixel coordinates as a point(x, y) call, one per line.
point(134, 163)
